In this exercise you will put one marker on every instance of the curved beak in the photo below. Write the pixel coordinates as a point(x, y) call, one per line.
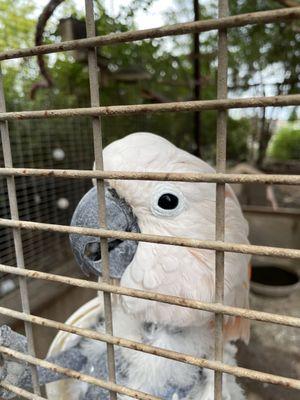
point(119, 216)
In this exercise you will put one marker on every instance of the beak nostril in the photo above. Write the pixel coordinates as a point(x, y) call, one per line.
point(113, 244)
point(92, 251)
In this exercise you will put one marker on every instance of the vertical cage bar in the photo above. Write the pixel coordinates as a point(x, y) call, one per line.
point(13, 205)
point(98, 149)
point(223, 11)
point(197, 80)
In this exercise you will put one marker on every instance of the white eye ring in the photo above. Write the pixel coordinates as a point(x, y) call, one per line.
point(166, 189)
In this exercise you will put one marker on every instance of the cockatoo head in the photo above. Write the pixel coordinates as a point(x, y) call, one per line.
point(183, 209)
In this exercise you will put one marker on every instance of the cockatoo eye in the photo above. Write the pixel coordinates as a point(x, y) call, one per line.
point(167, 201)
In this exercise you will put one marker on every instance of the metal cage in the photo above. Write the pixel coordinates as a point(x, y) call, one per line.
point(221, 104)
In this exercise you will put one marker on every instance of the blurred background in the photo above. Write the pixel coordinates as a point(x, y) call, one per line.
point(263, 61)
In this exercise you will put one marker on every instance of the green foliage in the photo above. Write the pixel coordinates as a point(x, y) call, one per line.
point(166, 61)
point(16, 23)
point(285, 144)
point(259, 53)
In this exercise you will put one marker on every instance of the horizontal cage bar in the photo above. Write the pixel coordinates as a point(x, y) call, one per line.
point(77, 375)
point(155, 176)
point(283, 212)
point(260, 17)
point(21, 392)
point(143, 237)
point(163, 298)
point(157, 351)
point(180, 106)
point(219, 178)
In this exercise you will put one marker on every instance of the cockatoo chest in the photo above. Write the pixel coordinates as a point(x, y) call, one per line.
point(162, 377)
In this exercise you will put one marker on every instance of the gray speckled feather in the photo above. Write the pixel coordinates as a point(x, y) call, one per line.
point(78, 358)
point(18, 373)
point(71, 358)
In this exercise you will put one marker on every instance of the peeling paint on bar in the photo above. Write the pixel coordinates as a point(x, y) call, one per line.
point(221, 145)
point(94, 70)
point(180, 106)
point(163, 298)
point(74, 374)
point(143, 237)
point(155, 176)
point(222, 104)
point(130, 344)
point(21, 392)
point(18, 245)
point(260, 17)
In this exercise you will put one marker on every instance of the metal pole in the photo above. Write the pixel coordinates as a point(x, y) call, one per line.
point(155, 176)
point(98, 150)
point(137, 346)
point(153, 296)
point(179, 106)
point(260, 17)
point(13, 205)
point(144, 237)
point(220, 191)
point(197, 82)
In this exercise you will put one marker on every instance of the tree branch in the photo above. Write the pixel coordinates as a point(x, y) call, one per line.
point(40, 28)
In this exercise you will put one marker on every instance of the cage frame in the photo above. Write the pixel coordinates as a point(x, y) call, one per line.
point(222, 104)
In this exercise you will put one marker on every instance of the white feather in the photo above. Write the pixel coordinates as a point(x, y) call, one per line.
point(168, 269)
point(177, 271)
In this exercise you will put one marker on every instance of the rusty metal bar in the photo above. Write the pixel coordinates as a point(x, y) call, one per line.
point(94, 72)
point(155, 176)
point(223, 11)
point(279, 212)
point(143, 237)
point(154, 296)
point(20, 392)
point(221, 104)
point(77, 375)
point(261, 17)
point(180, 106)
point(196, 57)
point(13, 206)
point(130, 344)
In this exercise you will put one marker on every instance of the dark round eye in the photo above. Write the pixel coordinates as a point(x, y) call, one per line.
point(168, 201)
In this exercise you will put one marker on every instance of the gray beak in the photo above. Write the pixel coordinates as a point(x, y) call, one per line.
point(119, 217)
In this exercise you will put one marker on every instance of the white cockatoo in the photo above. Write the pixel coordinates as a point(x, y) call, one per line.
point(170, 209)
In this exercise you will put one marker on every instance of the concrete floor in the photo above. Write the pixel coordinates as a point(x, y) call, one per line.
point(272, 348)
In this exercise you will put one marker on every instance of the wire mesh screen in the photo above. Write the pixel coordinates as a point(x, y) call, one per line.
point(65, 144)
point(39, 174)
